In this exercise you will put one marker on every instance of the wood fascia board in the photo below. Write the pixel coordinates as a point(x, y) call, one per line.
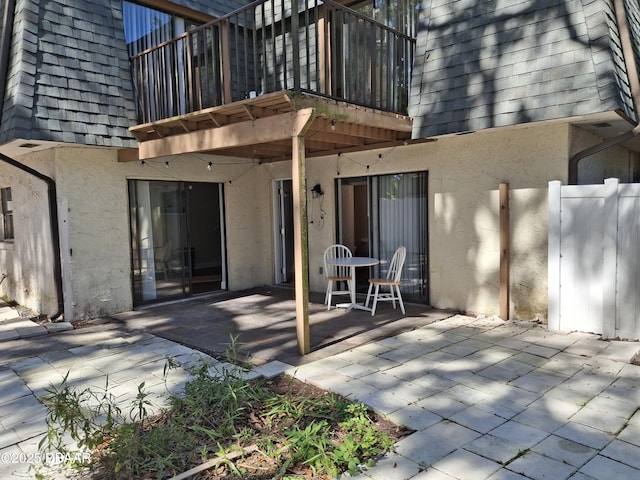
point(353, 114)
point(261, 130)
point(128, 155)
point(181, 10)
point(266, 150)
point(359, 148)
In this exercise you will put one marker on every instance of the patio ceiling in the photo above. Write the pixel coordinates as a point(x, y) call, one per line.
point(260, 128)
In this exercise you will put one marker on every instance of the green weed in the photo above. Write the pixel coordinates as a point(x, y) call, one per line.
point(219, 412)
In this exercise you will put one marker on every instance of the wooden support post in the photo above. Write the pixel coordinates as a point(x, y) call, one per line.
point(324, 61)
point(300, 228)
point(504, 251)
point(226, 62)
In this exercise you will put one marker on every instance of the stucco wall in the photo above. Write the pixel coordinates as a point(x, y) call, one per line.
point(30, 254)
point(464, 176)
point(93, 193)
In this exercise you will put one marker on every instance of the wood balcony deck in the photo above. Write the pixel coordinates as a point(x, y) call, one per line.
point(260, 65)
point(237, 129)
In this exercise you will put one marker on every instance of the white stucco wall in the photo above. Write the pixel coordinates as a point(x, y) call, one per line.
point(24, 259)
point(92, 187)
point(464, 176)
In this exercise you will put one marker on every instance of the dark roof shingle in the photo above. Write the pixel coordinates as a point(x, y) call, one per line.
point(486, 64)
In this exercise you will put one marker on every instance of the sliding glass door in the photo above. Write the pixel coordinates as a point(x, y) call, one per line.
point(380, 213)
point(177, 239)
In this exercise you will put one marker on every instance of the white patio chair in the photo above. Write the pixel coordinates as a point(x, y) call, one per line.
point(335, 273)
point(392, 281)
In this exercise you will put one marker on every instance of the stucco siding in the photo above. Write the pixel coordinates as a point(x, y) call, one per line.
point(27, 261)
point(249, 232)
point(92, 186)
point(464, 174)
point(464, 231)
point(528, 259)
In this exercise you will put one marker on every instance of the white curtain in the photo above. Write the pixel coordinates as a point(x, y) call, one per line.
point(144, 27)
point(399, 217)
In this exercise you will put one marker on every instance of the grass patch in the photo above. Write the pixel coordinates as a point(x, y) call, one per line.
point(224, 425)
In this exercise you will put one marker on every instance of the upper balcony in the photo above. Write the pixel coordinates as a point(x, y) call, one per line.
point(276, 56)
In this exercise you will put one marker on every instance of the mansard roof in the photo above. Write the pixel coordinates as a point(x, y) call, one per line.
point(68, 76)
point(503, 62)
point(477, 65)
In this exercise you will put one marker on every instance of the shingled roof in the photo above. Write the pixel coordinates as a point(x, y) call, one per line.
point(477, 65)
point(496, 63)
point(69, 78)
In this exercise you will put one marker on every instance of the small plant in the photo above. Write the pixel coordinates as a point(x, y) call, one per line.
point(87, 415)
point(233, 354)
point(139, 406)
point(362, 441)
point(311, 446)
point(245, 429)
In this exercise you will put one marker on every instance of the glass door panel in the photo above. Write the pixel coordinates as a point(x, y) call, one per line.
point(283, 235)
point(177, 239)
point(377, 215)
point(158, 234)
point(399, 217)
point(206, 237)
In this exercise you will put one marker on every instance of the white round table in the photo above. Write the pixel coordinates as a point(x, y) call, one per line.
point(353, 263)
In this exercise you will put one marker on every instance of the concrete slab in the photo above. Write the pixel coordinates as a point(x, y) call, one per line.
point(487, 399)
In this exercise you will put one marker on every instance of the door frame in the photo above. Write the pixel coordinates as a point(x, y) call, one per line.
point(421, 290)
point(136, 248)
point(282, 216)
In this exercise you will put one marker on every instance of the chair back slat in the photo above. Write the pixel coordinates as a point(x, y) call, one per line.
point(336, 251)
point(397, 262)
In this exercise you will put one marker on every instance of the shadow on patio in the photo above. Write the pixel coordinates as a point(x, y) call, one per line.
point(264, 321)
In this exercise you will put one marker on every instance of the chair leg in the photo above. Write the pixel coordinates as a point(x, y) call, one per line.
point(327, 295)
point(375, 300)
point(366, 303)
point(400, 300)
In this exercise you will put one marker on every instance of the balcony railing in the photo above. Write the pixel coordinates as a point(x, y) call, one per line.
point(322, 48)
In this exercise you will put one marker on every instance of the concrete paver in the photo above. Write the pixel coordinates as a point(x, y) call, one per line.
point(486, 399)
point(522, 402)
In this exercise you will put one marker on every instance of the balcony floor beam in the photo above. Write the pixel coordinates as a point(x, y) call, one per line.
point(260, 128)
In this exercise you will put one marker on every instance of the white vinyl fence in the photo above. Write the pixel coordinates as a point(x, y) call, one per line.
point(594, 261)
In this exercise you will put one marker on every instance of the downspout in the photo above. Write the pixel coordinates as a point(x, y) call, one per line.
point(5, 48)
point(634, 84)
point(55, 231)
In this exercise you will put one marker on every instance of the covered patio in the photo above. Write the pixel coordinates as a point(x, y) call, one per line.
point(263, 323)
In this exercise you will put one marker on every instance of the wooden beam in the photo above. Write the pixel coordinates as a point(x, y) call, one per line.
point(262, 130)
point(300, 228)
point(346, 112)
point(128, 155)
point(188, 126)
point(226, 62)
point(174, 8)
point(247, 109)
point(218, 120)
